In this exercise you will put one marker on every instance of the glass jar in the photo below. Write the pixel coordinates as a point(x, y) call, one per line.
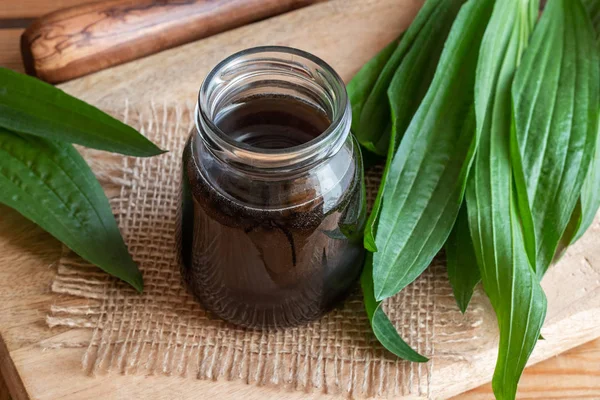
point(273, 204)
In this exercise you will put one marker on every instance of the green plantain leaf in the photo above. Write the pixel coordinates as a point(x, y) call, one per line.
point(426, 180)
point(50, 183)
point(362, 84)
point(590, 194)
point(28, 105)
point(507, 274)
point(520, 306)
point(382, 327)
point(461, 261)
point(556, 100)
point(374, 122)
point(593, 8)
point(408, 87)
point(569, 237)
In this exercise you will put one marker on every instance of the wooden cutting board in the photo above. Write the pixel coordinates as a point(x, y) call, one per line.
point(346, 33)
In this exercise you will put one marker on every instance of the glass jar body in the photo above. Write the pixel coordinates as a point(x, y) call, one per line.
point(276, 252)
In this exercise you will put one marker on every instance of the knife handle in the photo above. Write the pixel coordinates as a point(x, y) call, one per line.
point(76, 41)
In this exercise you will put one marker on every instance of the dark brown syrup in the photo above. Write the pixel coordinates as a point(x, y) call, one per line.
point(265, 267)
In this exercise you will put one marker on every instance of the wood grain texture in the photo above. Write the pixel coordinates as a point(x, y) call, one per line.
point(13, 9)
point(76, 41)
point(37, 369)
point(10, 54)
point(4, 394)
point(572, 375)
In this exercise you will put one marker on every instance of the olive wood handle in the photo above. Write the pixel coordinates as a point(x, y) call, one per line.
point(76, 41)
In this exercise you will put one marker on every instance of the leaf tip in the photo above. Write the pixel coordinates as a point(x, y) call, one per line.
point(152, 151)
point(137, 282)
point(160, 151)
point(384, 288)
point(135, 277)
point(369, 243)
point(420, 359)
point(380, 292)
point(463, 302)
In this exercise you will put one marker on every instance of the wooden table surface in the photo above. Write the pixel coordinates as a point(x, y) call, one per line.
point(572, 375)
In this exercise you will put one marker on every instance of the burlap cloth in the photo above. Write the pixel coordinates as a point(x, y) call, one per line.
point(164, 331)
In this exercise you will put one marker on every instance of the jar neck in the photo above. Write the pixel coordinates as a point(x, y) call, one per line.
point(273, 71)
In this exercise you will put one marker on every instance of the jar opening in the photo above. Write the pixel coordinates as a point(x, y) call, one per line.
point(273, 108)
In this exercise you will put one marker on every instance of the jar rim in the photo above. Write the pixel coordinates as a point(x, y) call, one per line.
point(341, 103)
